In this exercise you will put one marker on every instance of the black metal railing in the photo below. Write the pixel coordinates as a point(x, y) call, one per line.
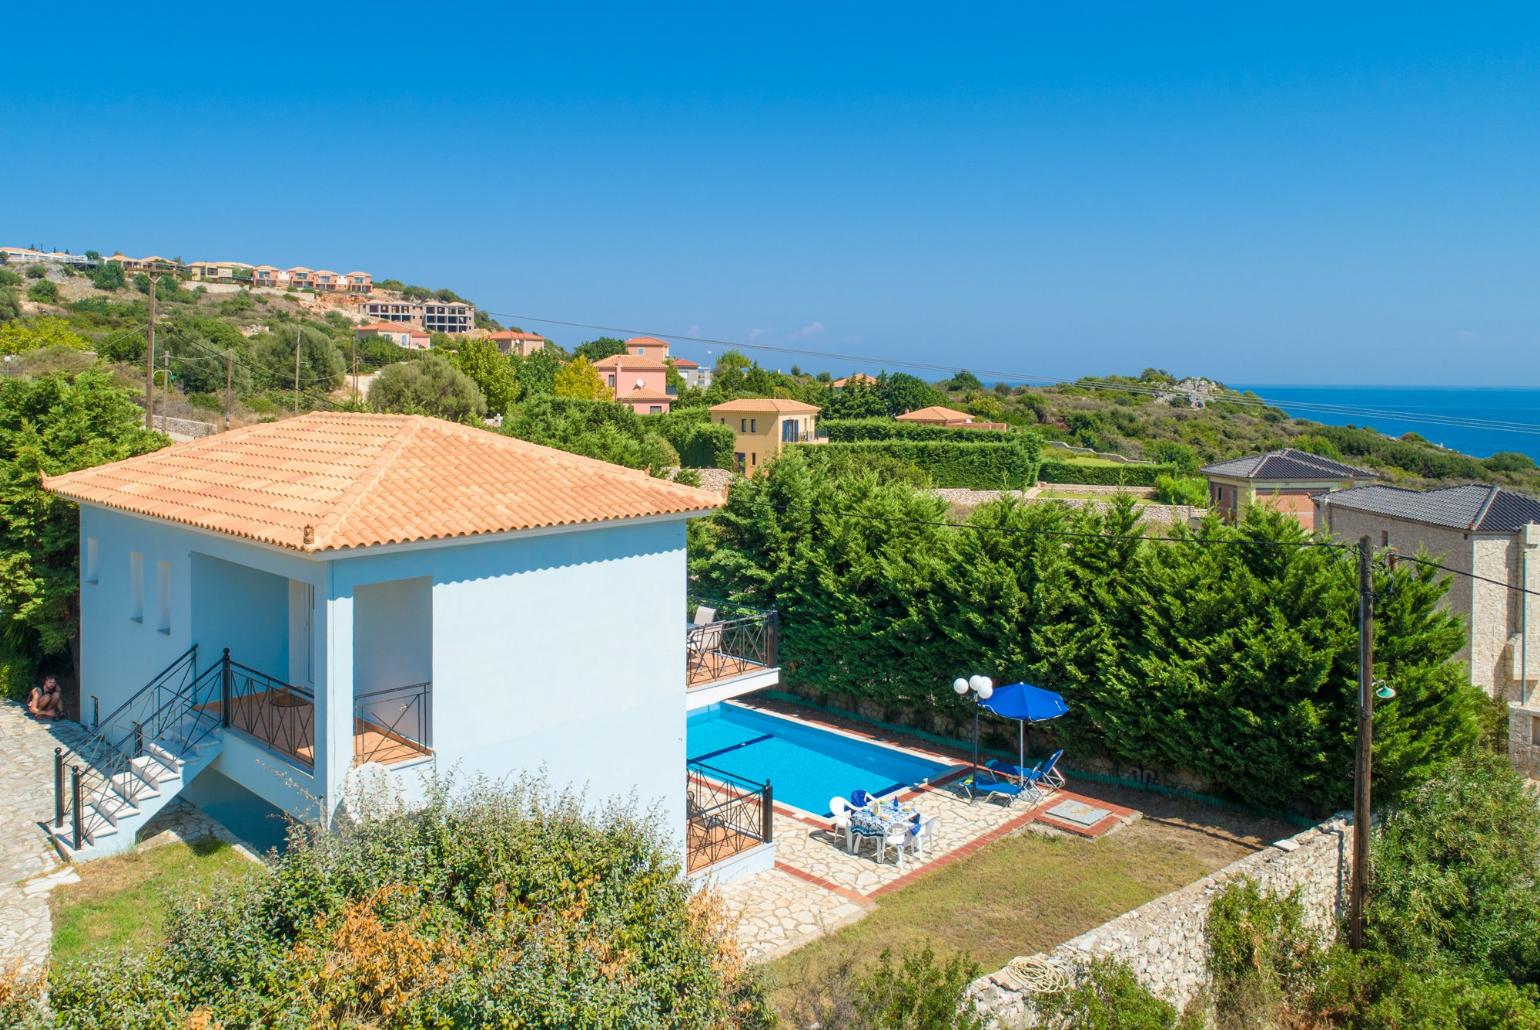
point(731, 647)
point(725, 814)
point(280, 716)
point(102, 777)
point(392, 725)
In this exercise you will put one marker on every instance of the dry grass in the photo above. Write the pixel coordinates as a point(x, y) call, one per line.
point(1018, 896)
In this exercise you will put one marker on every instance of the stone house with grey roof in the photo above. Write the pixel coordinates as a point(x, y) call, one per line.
point(1285, 480)
point(1480, 529)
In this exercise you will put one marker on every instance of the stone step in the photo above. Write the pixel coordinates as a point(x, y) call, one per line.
point(164, 757)
point(132, 788)
point(114, 808)
point(153, 771)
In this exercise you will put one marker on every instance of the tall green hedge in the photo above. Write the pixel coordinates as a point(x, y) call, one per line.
point(1101, 475)
point(1230, 655)
point(846, 430)
point(1008, 462)
point(701, 443)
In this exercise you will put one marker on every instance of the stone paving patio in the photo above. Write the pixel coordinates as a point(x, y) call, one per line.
point(818, 886)
point(29, 866)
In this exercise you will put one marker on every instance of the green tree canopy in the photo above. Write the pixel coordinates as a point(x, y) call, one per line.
point(37, 333)
point(53, 424)
point(902, 393)
point(429, 386)
point(578, 379)
point(321, 363)
point(491, 371)
point(1231, 653)
point(598, 429)
point(603, 347)
point(537, 372)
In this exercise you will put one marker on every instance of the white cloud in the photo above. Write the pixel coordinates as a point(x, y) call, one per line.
point(694, 330)
point(755, 334)
point(811, 329)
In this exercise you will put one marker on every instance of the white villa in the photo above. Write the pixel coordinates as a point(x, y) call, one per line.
point(271, 607)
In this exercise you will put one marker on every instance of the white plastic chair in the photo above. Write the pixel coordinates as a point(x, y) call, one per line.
point(902, 839)
point(705, 616)
point(925, 833)
point(839, 815)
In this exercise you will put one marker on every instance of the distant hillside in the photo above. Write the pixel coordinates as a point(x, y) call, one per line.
point(1149, 417)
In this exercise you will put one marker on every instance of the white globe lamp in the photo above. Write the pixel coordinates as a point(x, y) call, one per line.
point(960, 686)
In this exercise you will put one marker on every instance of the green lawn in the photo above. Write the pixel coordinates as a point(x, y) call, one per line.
point(1071, 494)
point(121, 902)
point(1017, 896)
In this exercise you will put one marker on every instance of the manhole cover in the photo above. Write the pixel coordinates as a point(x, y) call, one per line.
point(1078, 812)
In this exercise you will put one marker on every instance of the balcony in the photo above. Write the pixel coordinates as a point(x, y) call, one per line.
point(389, 726)
point(729, 654)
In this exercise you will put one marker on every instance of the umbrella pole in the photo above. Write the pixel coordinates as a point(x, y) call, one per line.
point(975, 738)
point(1021, 746)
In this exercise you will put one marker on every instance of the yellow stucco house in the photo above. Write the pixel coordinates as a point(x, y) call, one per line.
point(763, 426)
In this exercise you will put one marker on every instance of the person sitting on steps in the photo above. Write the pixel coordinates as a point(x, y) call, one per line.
point(47, 701)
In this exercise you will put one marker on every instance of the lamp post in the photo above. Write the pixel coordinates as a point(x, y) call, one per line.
point(983, 687)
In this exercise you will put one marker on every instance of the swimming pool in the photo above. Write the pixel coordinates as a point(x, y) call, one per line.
point(806, 766)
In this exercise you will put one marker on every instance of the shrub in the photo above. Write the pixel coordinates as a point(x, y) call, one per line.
point(428, 386)
point(1457, 873)
point(1106, 995)
point(1008, 462)
point(1181, 490)
point(9, 278)
point(106, 276)
point(1509, 461)
point(39, 333)
point(505, 906)
point(1261, 954)
point(1376, 991)
point(700, 442)
point(598, 429)
point(1102, 475)
point(848, 430)
point(915, 992)
point(43, 292)
point(36, 271)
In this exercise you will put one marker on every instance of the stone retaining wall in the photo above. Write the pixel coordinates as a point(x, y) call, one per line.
point(1164, 941)
point(185, 426)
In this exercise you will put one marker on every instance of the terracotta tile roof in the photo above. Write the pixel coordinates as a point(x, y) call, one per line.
point(646, 341)
point(385, 327)
point(935, 413)
point(761, 404)
point(634, 362)
point(859, 378)
point(509, 334)
point(332, 480)
point(684, 363)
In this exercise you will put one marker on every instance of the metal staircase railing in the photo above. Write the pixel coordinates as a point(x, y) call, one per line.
point(173, 707)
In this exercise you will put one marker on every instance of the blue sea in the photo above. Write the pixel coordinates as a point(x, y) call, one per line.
point(1432, 411)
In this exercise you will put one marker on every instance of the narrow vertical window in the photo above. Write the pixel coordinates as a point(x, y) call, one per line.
point(753, 425)
point(136, 586)
point(93, 560)
point(163, 595)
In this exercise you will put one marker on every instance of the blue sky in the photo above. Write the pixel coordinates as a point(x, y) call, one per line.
point(1317, 193)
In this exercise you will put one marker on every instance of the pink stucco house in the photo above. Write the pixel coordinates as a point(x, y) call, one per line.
point(639, 381)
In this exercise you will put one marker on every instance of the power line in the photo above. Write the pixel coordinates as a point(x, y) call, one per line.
point(1448, 421)
point(1469, 575)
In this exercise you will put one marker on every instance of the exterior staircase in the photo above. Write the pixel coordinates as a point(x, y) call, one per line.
point(137, 759)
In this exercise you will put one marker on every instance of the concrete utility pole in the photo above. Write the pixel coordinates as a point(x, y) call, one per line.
point(296, 369)
point(149, 361)
point(355, 370)
point(1364, 765)
point(229, 368)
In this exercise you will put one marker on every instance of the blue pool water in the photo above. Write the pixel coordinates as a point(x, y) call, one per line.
point(805, 766)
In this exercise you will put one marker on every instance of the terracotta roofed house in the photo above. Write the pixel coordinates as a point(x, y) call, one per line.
point(647, 347)
point(1286, 480)
point(278, 605)
point(763, 426)
point(951, 418)
point(858, 379)
point(640, 382)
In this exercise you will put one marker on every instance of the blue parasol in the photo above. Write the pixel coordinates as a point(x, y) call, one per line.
point(1024, 703)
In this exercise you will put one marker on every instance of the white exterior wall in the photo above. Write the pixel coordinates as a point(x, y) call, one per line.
point(561, 651)
point(118, 655)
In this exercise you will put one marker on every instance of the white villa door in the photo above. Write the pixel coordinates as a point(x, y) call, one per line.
point(301, 634)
